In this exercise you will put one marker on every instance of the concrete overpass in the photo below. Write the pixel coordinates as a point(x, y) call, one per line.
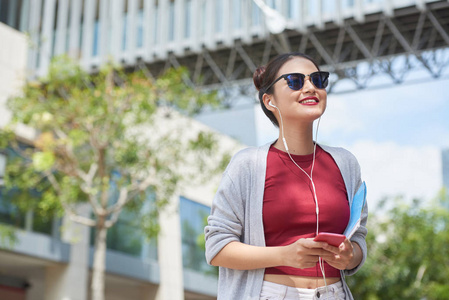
point(222, 41)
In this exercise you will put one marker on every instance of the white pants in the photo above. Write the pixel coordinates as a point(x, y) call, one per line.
point(272, 291)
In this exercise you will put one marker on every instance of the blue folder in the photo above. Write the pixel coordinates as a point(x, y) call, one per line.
point(358, 203)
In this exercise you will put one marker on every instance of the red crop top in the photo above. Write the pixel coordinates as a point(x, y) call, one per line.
point(289, 206)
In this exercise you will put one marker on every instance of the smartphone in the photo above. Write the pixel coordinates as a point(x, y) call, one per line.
point(333, 239)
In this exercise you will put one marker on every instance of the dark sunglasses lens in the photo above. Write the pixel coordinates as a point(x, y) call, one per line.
point(295, 81)
point(320, 79)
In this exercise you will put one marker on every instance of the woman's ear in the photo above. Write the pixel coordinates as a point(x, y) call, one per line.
point(267, 100)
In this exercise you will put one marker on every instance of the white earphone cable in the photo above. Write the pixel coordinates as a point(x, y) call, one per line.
point(321, 264)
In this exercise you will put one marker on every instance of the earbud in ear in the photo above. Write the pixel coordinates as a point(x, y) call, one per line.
point(271, 104)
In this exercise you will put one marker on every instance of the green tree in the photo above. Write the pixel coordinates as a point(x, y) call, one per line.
point(407, 253)
point(7, 236)
point(113, 139)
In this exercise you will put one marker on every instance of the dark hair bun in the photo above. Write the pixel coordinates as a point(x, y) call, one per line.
point(258, 77)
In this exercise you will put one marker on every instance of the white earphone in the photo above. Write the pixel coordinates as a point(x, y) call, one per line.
point(317, 210)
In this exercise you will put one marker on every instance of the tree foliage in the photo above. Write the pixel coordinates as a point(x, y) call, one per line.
point(110, 139)
point(407, 253)
point(102, 135)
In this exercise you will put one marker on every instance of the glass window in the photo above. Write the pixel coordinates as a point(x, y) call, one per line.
point(219, 9)
point(193, 219)
point(10, 213)
point(155, 23)
point(256, 17)
point(329, 6)
point(125, 30)
point(237, 14)
point(312, 8)
point(96, 38)
point(140, 29)
point(187, 27)
point(294, 9)
point(171, 23)
point(203, 18)
point(348, 3)
point(13, 214)
point(127, 235)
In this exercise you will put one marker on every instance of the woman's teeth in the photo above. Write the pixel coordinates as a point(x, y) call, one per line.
point(309, 101)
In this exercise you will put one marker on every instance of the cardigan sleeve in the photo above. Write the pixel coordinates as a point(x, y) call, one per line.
point(225, 223)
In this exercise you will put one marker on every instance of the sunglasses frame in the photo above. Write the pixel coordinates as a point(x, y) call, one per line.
point(303, 78)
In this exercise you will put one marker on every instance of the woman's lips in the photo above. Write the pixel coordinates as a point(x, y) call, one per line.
point(309, 101)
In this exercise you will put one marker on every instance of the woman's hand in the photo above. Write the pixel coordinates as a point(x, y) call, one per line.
point(304, 253)
point(345, 256)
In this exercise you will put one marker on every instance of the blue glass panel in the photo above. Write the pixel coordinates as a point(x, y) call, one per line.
point(96, 38)
point(348, 3)
point(193, 217)
point(219, 8)
point(125, 28)
point(256, 15)
point(126, 235)
point(237, 14)
point(329, 6)
point(188, 18)
point(203, 18)
point(294, 9)
point(171, 23)
point(139, 29)
point(312, 8)
point(12, 214)
point(155, 24)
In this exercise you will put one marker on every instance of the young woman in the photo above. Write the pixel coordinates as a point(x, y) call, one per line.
point(274, 199)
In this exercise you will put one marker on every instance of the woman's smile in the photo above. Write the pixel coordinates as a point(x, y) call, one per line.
point(309, 101)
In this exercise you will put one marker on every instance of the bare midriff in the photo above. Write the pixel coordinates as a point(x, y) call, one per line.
point(302, 282)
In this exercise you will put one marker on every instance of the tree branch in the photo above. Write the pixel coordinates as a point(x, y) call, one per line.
point(126, 195)
point(53, 181)
point(88, 178)
point(82, 220)
point(77, 218)
point(117, 207)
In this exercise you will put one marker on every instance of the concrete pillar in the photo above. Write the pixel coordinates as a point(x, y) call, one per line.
point(70, 281)
point(36, 279)
point(149, 292)
point(170, 254)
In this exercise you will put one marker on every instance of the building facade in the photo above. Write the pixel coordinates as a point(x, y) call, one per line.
point(47, 263)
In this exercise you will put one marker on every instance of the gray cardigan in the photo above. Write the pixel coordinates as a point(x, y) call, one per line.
point(236, 215)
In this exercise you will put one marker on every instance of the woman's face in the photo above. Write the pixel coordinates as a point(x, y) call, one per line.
point(305, 105)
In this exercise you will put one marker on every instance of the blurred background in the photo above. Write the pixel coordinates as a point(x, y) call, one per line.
point(388, 103)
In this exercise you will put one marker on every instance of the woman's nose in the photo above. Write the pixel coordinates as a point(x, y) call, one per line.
point(308, 85)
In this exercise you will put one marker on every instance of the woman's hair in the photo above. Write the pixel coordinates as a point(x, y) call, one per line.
point(265, 75)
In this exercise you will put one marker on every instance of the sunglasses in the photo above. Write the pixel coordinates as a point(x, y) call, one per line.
point(295, 81)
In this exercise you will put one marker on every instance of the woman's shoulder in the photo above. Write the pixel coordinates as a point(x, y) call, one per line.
point(244, 157)
point(346, 162)
point(247, 158)
point(340, 153)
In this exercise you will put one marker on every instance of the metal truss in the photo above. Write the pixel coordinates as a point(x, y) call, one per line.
point(396, 44)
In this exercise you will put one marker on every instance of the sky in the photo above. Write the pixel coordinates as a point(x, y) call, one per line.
point(397, 134)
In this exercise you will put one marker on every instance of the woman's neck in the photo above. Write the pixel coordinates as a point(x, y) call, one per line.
point(299, 139)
